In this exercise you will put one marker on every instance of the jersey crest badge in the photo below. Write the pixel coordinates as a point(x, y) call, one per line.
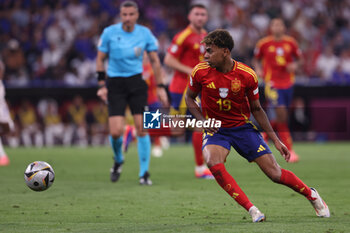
point(138, 51)
point(235, 86)
point(174, 48)
point(223, 92)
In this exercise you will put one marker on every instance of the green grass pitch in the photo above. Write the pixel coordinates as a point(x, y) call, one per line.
point(82, 199)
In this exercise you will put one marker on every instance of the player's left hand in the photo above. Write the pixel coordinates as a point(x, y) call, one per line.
point(103, 93)
point(282, 149)
point(162, 96)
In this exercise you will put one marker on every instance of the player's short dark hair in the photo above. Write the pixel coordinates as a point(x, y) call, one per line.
point(220, 38)
point(129, 3)
point(197, 5)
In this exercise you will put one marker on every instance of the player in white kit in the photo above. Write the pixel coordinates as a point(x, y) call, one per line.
point(6, 123)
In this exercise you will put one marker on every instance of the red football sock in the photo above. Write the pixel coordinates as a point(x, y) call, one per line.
point(284, 134)
point(197, 138)
point(226, 181)
point(156, 140)
point(289, 179)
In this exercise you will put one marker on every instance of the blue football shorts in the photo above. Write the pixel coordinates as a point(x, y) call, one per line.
point(278, 97)
point(245, 139)
point(178, 104)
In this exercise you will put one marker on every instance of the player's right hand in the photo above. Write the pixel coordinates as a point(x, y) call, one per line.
point(102, 93)
point(211, 129)
point(282, 149)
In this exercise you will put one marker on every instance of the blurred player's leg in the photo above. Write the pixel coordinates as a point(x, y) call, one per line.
point(4, 160)
point(116, 124)
point(286, 138)
point(157, 147)
point(116, 144)
point(144, 151)
point(201, 170)
point(164, 142)
point(281, 125)
point(129, 136)
point(6, 125)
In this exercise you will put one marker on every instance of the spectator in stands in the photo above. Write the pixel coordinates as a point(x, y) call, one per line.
point(77, 128)
point(341, 74)
point(326, 63)
point(53, 127)
point(14, 61)
point(64, 23)
point(30, 126)
point(99, 127)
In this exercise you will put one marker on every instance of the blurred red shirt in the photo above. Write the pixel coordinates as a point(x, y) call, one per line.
point(276, 55)
point(187, 48)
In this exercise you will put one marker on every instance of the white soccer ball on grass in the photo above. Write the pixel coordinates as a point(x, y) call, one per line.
point(39, 176)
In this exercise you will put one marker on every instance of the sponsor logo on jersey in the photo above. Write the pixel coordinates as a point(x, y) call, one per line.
point(223, 92)
point(211, 85)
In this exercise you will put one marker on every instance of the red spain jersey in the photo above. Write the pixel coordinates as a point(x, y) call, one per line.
point(276, 55)
point(225, 96)
point(187, 48)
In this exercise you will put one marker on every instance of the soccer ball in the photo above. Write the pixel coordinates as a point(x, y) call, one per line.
point(39, 176)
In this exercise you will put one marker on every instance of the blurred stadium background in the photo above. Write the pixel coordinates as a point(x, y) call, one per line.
point(49, 50)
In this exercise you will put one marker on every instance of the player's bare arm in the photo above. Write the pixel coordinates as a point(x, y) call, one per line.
point(2, 70)
point(162, 95)
point(192, 105)
point(261, 117)
point(102, 90)
point(295, 65)
point(257, 67)
point(174, 63)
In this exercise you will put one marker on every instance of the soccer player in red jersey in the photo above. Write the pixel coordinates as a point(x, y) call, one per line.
point(280, 56)
point(229, 93)
point(185, 52)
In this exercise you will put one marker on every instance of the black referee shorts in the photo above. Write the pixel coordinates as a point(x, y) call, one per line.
point(123, 91)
